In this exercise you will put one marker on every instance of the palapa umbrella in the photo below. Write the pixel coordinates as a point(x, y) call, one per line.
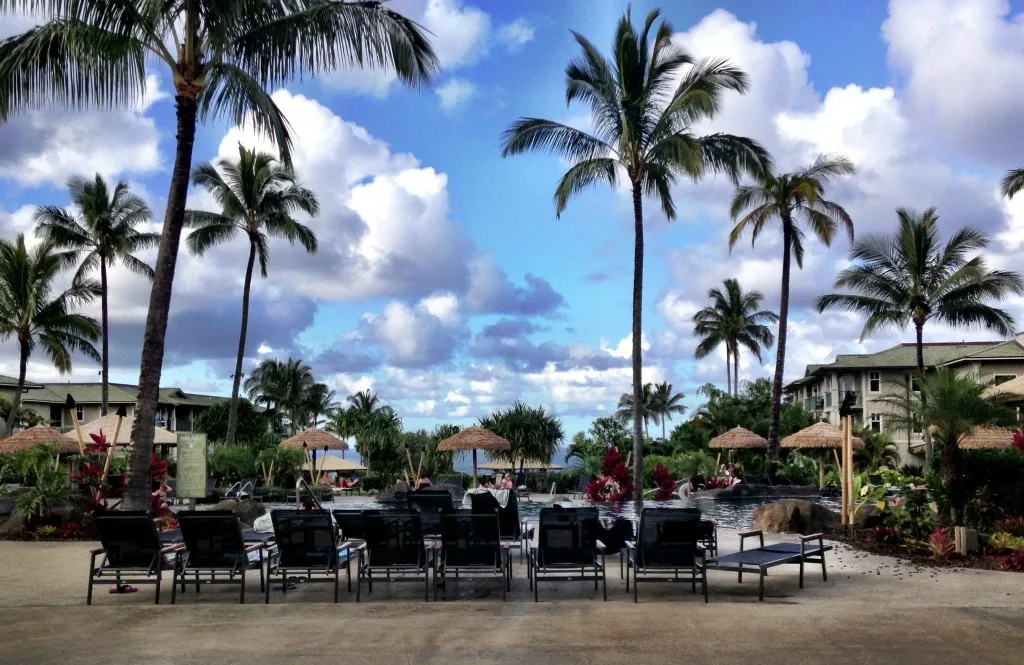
point(985, 437)
point(110, 426)
point(312, 440)
point(736, 438)
point(1009, 391)
point(40, 434)
point(474, 438)
point(332, 463)
point(820, 435)
point(532, 464)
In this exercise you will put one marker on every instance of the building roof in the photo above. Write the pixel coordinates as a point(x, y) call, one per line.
point(12, 382)
point(904, 356)
point(119, 393)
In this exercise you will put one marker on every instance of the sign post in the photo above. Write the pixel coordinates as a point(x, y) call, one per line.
point(191, 480)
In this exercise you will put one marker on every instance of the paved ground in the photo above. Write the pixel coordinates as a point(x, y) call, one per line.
point(872, 610)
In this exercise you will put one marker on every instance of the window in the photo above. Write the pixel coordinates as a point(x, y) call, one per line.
point(876, 422)
point(80, 413)
point(828, 383)
point(917, 429)
point(914, 385)
point(1002, 378)
point(56, 416)
point(874, 382)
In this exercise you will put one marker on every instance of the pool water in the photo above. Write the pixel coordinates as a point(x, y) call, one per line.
point(733, 514)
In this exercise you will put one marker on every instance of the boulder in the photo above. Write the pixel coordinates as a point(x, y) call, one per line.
point(15, 523)
point(247, 510)
point(868, 516)
point(794, 516)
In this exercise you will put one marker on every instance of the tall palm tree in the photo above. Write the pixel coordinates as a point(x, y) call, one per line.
point(735, 319)
point(908, 276)
point(792, 199)
point(222, 56)
point(364, 402)
point(379, 430)
point(666, 403)
point(105, 233)
point(33, 312)
point(282, 386)
point(645, 101)
point(1013, 183)
point(319, 402)
point(257, 197)
point(533, 432)
point(626, 411)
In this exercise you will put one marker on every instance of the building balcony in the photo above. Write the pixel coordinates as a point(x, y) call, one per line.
point(814, 403)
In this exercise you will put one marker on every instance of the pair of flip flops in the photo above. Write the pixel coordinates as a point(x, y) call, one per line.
point(123, 588)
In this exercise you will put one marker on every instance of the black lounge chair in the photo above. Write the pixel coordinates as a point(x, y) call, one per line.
point(394, 546)
point(351, 526)
point(509, 523)
point(567, 548)
point(430, 505)
point(519, 486)
point(132, 552)
point(307, 548)
point(214, 545)
point(760, 559)
point(666, 543)
point(471, 544)
point(581, 487)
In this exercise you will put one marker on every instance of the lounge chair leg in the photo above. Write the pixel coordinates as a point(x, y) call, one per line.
point(704, 583)
point(801, 573)
point(262, 580)
point(604, 580)
point(359, 582)
point(760, 590)
point(337, 582)
point(174, 585)
point(620, 569)
point(159, 579)
point(266, 589)
point(824, 573)
point(636, 584)
point(693, 580)
point(241, 596)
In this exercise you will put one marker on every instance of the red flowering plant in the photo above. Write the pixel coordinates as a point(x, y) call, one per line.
point(664, 483)
point(1018, 440)
point(93, 475)
point(614, 485)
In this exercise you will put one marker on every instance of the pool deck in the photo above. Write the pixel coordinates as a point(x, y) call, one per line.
point(872, 610)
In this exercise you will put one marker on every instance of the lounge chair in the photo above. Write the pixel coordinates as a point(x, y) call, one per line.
point(394, 547)
point(666, 543)
point(351, 526)
point(471, 544)
point(454, 481)
point(581, 487)
point(213, 544)
point(430, 505)
point(519, 485)
point(567, 548)
point(132, 552)
point(760, 559)
point(306, 547)
point(509, 523)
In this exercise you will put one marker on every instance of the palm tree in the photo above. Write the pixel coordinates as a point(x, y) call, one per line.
point(378, 431)
point(319, 402)
point(282, 386)
point(666, 403)
point(1012, 183)
point(733, 318)
point(257, 197)
point(222, 56)
point(645, 102)
point(790, 198)
point(32, 313)
point(364, 402)
point(878, 451)
point(105, 232)
point(626, 411)
point(534, 434)
point(909, 277)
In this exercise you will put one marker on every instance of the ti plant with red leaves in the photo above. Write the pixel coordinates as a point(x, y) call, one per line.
point(941, 543)
point(614, 485)
point(664, 483)
point(92, 474)
point(1018, 440)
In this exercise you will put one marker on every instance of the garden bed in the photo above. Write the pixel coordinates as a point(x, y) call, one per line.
point(864, 540)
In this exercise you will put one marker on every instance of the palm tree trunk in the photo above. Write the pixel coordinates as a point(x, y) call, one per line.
point(16, 397)
point(229, 438)
point(925, 434)
point(638, 389)
point(736, 372)
point(105, 384)
point(772, 453)
point(728, 371)
point(663, 435)
point(138, 492)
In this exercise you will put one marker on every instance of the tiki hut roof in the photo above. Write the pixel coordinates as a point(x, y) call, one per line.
point(1009, 391)
point(532, 464)
point(333, 463)
point(108, 423)
point(736, 438)
point(474, 438)
point(315, 439)
point(819, 435)
point(40, 434)
point(986, 437)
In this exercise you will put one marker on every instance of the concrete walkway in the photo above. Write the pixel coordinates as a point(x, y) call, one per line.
point(871, 610)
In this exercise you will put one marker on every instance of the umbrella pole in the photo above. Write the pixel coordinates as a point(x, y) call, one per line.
point(821, 473)
point(110, 449)
point(474, 467)
point(420, 469)
point(78, 432)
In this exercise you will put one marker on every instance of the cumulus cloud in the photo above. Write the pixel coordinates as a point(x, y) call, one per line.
point(421, 335)
point(515, 34)
point(454, 93)
point(491, 291)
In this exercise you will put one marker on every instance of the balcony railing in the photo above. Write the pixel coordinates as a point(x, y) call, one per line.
point(814, 403)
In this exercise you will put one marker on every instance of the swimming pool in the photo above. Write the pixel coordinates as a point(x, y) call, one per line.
point(733, 514)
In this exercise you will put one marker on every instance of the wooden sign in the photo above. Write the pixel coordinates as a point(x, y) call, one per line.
point(191, 480)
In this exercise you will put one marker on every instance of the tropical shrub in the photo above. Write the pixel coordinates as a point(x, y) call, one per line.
point(233, 463)
point(1013, 525)
point(799, 468)
point(614, 484)
point(1002, 541)
point(51, 489)
point(940, 543)
point(911, 514)
point(887, 535)
point(1013, 561)
point(991, 480)
point(664, 483)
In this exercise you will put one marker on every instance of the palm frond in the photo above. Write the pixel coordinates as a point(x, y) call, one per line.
point(1012, 183)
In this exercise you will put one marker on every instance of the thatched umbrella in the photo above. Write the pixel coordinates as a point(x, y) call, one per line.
point(474, 438)
point(311, 440)
point(532, 464)
point(820, 435)
point(736, 438)
point(985, 437)
point(109, 425)
point(1009, 391)
point(332, 463)
point(40, 434)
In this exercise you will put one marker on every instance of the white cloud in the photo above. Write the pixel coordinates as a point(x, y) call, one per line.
point(454, 93)
point(624, 347)
point(417, 336)
point(513, 35)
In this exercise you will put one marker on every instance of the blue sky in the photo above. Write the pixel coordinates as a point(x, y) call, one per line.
point(445, 282)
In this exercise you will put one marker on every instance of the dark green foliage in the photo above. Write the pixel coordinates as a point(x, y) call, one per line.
point(912, 516)
point(992, 482)
point(533, 433)
point(232, 463)
point(26, 417)
point(253, 425)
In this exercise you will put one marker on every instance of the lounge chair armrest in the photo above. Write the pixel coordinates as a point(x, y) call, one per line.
point(758, 533)
point(253, 547)
point(97, 552)
point(810, 538)
point(171, 549)
point(630, 545)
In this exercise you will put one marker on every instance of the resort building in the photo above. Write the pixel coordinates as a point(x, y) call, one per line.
point(871, 376)
point(176, 410)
